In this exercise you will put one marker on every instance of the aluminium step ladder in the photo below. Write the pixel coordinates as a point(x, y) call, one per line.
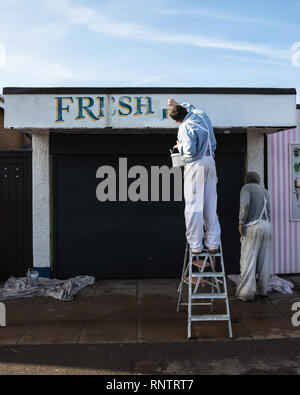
point(200, 270)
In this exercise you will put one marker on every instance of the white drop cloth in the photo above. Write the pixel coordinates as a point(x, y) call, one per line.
point(64, 290)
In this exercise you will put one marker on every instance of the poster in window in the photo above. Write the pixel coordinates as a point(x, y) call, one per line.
point(295, 181)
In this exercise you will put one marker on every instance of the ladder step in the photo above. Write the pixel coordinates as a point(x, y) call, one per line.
point(194, 281)
point(200, 264)
point(212, 317)
point(209, 296)
point(206, 254)
point(208, 274)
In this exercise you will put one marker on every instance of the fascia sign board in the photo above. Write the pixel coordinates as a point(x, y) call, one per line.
point(138, 111)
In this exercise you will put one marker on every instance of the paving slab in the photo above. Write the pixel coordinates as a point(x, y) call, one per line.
point(120, 284)
point(154, 291)
point(53, 333)
point(259, 309)
point(110, 331)
point(112, 306)
point(284, 306)
point(295, 279)
point(276, 295)
point(266, 329)
point(106, 291)
point(35, 300)
point(23, 314)
point(64, 311)
point(206, 331)
point(158, 282)
point(87, 294)
point(161, 331)
point(151, 310)
point(12, 334)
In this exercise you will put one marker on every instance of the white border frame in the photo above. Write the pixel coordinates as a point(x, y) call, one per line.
point(291, 181)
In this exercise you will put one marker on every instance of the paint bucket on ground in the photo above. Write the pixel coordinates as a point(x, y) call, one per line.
point(32, 278)
point(177, 160)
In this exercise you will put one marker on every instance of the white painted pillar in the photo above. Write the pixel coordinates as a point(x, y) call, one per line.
point(41, 201)
point(255, 154)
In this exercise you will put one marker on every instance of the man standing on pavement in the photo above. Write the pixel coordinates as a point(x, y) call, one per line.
point(197, 144)
point(256, 238)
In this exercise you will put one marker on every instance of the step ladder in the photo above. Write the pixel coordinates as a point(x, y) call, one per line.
point(199, 271)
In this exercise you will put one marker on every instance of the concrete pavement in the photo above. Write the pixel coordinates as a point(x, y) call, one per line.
point(132, 327)
point(141, 311)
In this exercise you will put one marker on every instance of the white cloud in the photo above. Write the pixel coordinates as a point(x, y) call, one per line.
point(77, 14)
point(39, 69)
point(181, 8)
point(208, 42)
point(50, 31)
point(148, 80)
point(212, 14)
point(296, 54)
point(2, 55)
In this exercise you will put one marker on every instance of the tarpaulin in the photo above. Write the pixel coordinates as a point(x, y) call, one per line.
point(64, 290)
point(275, 284)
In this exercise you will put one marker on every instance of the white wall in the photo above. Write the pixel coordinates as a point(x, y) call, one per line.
point(41, 200)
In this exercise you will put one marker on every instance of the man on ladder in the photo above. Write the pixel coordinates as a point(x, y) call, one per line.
point(196, 144)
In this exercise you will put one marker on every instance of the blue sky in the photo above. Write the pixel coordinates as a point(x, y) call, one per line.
point(153, 43)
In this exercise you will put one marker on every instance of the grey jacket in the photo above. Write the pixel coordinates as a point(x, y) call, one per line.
point(252, 203)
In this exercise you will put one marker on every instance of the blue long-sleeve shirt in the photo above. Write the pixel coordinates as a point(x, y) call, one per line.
point(193, 134)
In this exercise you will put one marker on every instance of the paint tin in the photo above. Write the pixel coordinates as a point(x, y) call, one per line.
point(177, 160)
point(32, 278)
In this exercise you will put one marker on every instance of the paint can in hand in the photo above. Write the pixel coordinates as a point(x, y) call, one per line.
point(177, 160)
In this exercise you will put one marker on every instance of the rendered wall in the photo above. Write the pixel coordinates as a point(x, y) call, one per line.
point(41, 201)
point(255, 153)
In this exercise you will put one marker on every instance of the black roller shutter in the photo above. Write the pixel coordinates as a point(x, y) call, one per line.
point(126, 239)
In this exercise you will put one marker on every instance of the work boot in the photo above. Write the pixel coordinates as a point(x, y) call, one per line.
point(213, 250)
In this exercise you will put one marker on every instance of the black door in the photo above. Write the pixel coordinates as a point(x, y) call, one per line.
point(126, 239)
point(15, 214)
point(230, 169)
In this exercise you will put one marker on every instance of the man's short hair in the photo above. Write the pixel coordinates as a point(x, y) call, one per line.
point(178, 113)
point(252, 178)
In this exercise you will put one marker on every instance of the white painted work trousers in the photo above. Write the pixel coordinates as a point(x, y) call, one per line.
point(256, 257)
point(201, 204)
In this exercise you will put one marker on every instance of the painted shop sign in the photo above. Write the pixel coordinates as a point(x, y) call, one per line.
point(125, 111)
point(88, 111)
point(94, 108)
point(295, 181)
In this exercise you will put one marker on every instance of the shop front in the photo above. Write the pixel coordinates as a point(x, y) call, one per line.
point(106, 201)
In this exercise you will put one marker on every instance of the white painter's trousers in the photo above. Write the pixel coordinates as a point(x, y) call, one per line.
point(201, 205)
point(256, 257)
